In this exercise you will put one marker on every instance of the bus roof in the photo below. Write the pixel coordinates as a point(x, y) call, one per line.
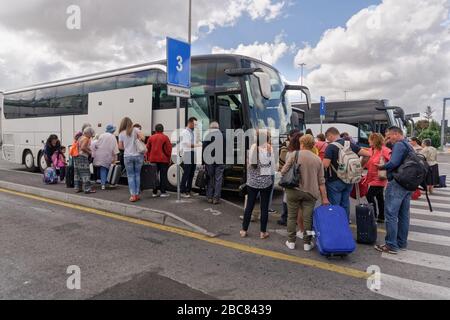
point(158, 65)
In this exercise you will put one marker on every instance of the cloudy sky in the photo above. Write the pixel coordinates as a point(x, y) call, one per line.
point(394, 49)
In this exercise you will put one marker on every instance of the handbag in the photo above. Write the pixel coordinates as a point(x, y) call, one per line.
point(140, 146)
point(292, 178)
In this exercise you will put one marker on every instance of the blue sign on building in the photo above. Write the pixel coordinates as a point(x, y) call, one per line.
point(178, 63)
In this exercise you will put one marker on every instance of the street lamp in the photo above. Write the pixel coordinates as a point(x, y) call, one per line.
point(443, 140)
point(302, 66)
point(190, 22)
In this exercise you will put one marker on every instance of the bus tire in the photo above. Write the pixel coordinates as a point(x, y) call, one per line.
point(41, 162)
point(28, 161)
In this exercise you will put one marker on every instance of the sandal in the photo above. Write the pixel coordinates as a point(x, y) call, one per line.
point(385, 249)
point(264, 235)
point(133, 199)
point(244, 234)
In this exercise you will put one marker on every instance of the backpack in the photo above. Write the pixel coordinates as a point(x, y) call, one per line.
point(74, 150)
point(50, 176)
point(412, 173)
point(349, 168)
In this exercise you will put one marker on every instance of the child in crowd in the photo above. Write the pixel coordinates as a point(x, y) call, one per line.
point(59, 163)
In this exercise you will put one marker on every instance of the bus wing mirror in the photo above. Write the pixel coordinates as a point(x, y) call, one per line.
point(295, 120)
point(305, 90)
point(264, 84)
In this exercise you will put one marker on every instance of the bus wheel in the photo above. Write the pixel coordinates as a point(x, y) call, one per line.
point(41, 162)
point(28, 161)
point(172, 177)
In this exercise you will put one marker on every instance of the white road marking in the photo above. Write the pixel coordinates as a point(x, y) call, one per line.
point(405, 289)
point(426, 212)
point(434, 197)
point(429, 238)
point(422, 259)
point(433, 204)
point(430, 224)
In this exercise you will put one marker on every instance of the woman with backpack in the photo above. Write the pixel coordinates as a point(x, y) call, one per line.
point(377, 179)
point(129, 140)
point(260, 173)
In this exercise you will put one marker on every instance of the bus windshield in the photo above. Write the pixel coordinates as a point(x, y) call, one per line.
point(274, 113)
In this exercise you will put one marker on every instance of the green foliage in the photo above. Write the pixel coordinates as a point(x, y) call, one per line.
point(434, 135)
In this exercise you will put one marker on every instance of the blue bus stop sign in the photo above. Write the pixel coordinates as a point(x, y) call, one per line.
point(323, 107)
point(178, 65)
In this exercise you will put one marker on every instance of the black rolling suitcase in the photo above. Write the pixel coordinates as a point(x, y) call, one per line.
point(70, 176)
point(149, 178)
point(366, 225)
point(114, 174)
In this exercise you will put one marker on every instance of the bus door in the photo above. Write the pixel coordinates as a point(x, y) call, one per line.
point(228, 112)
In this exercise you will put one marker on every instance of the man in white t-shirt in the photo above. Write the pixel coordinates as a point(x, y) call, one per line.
point(188, 153)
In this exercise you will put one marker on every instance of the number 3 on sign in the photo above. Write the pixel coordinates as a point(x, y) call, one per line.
point(180, 63)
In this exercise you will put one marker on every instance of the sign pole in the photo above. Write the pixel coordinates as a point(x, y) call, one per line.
point(178, 151)
point(323, 112)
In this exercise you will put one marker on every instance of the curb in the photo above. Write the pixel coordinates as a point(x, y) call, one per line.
point(127, 210)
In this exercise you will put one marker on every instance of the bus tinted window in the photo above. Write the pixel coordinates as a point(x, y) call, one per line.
point(104, 84)
point(43, 102)
point(69, 90)
point(223, 81)
point(12, 106)
point(135, 79)
point(202, 77)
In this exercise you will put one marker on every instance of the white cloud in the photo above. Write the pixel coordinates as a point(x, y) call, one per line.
point(267, 52)
point(37, 46)
point(399, 50)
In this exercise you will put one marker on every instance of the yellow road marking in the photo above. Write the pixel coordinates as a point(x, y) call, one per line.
point(193, 235)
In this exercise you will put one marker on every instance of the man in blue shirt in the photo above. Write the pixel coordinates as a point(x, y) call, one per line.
point(338, 191)
point(397, 198)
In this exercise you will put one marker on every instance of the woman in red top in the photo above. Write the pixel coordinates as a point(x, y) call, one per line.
point(377, 180)
point(321, 145)
point(159, 152)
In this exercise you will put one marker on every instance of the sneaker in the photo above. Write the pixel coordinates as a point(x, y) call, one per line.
point(194, 194)
point(185, 195)
point(290, 245)
point(308, 246)
point(164, 195)
point(271, 211)
point(300, 235)
point(385, 249)
point(155, 195)
point(403, 249)
point(216, 202)
point(103, 187)
point(210, 201)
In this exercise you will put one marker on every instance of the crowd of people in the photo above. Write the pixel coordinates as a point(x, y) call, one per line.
point(318, 159)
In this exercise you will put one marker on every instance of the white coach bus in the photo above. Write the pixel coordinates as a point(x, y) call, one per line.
point(238, 91)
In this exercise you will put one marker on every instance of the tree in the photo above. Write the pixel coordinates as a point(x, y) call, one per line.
point(435, 137)
point(422, 125)
point(429, 113)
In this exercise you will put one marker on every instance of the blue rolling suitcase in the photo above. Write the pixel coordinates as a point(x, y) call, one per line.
point(333, 234)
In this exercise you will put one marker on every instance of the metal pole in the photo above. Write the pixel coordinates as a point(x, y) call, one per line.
point(302, 65)
point(178, 151)
point(190, 22)
point(443, 131)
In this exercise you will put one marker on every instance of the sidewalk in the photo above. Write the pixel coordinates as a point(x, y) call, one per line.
point(194, 214)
